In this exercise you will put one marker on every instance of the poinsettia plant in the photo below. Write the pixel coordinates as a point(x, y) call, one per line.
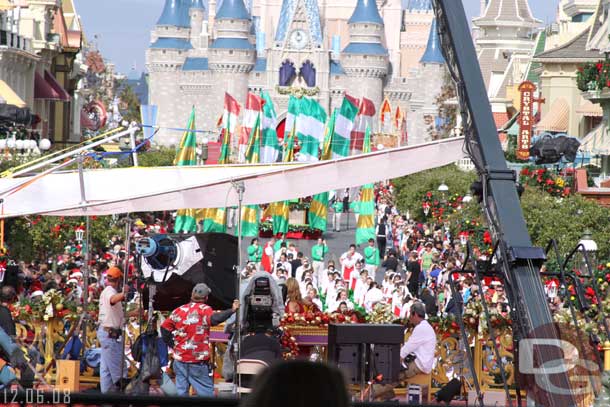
point(556, 183)
point(593, 76)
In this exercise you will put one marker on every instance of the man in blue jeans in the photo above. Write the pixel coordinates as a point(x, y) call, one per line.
point(110, 332)
point(187, 332)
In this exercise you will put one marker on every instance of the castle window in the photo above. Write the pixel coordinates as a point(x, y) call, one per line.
point(287, 73)
point(308, 73)
point(230, 52)
point(364, 57)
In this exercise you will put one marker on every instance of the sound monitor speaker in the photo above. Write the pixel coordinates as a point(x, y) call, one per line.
point(377, 345)
point(201, 258)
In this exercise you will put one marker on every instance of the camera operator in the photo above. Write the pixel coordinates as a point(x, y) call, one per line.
point(418, 352)
point(187, 332)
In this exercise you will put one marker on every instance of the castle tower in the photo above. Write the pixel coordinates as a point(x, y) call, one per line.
point(422, 118)
point(199, 27)
point(232, 56)
point(505, 45)
point(365, 59)
point(170, 44)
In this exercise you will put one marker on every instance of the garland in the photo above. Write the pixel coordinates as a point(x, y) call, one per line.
point(297, 91)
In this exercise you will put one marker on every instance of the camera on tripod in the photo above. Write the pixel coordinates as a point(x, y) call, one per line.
point(259, 312)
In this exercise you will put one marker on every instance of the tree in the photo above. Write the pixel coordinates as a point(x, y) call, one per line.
point(130, 104)
point(547, 217)
point(410, 190)
point(38, 237)
point(447, 112)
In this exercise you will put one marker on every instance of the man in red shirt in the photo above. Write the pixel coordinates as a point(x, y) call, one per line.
point(187, 332)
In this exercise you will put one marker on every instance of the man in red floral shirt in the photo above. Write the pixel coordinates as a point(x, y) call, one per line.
point(187, 332)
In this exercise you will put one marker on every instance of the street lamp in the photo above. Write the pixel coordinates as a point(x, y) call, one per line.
point(80, 234)
point(204, 149)
point(467, 198)
point(443, 188)
point(587, 242)
point(426, 207)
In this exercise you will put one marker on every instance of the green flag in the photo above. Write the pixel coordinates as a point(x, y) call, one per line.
point(250, 213)
point(185, 156)
point(365, 227)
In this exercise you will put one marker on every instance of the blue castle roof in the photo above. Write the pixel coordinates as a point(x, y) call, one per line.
point(195, 64)
point(365, 48)
point(175, 13)
point(366, 12)
point(422, 5)
point(433, 54)
point(172, 43)
point(232, 43)
point(233, 9)
point(197, 4)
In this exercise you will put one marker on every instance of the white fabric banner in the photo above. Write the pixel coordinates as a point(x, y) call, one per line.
point(121, 190)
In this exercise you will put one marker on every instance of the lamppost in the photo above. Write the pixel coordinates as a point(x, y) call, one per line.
point(467, 198)
point(588, 243)
point(204, 150)
point(79, 232)
point(426, 208)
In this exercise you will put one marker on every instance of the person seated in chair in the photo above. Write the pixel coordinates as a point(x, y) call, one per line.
point(417, 353)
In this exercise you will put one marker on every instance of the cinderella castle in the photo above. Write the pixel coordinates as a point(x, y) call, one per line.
point(368, 48)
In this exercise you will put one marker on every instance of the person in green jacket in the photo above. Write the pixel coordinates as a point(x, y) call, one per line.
point(318, 251)
point(278, 243)
point(338, 208)
point(371, 258)
point(255, 253)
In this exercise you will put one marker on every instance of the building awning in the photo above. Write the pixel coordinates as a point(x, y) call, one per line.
point(590, 109)
point(43, 90)
point(63, 95)
point(8, 95)
point(597, 141)
point(556, 120)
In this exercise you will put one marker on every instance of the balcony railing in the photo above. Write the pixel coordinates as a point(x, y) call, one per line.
point(12, 40)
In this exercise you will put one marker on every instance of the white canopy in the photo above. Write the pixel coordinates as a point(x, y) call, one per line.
point(141, 189)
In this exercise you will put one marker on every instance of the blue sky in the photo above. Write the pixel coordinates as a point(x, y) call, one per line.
point(121, 28)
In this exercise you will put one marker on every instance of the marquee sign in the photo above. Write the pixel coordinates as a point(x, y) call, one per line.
point(526, 120)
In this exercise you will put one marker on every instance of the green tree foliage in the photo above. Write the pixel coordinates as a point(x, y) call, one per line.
point(38, 237)
point(411, 189)
point(155, 157)
point(130, 104)
point(547, 217)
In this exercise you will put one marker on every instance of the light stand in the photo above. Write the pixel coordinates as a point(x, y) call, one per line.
point(240, 189)
point(125, 272)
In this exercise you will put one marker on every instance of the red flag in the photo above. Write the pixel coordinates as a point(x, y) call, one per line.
point(398, 117)
point(366, 112)
point(385, 116)
point(254, 106)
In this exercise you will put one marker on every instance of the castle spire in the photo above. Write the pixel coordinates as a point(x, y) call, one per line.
point(175, 13)
point(366, 12)
point(433, 54)
point(233, 9)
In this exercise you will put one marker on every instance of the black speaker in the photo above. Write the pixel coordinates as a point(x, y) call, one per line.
point(202, 258)
point(377, 346)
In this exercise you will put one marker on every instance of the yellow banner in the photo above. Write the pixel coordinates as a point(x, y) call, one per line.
point(365, 221)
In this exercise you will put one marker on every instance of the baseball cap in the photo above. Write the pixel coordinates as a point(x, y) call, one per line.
point(200, 291)
point(114, 272)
